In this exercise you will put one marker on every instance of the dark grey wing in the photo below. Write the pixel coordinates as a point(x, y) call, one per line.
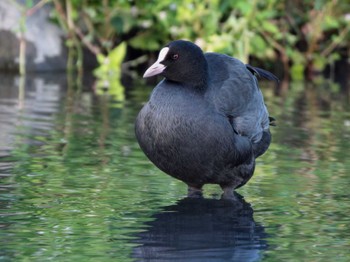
point(234, 92)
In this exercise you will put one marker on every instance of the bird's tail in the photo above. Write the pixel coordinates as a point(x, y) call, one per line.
point(272, 121)
point(262, 73)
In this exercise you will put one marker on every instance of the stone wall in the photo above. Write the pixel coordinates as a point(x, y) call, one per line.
point(45, 41)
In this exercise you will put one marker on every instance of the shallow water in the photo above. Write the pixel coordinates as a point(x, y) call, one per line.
point(76, 187)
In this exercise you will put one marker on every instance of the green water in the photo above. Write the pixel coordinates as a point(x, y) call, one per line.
point(74, 185)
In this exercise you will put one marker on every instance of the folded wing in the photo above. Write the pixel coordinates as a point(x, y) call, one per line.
point(234, 92)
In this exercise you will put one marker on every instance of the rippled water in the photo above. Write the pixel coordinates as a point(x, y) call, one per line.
point(76, 187)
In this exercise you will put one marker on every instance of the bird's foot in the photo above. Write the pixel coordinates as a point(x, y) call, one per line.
point(228, 194)
point(194, 192)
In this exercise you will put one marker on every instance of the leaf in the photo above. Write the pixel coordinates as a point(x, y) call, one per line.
point(297, 71)
point(258, 43)
point(330, 23)
point(29, 4)
point(118, 24)
point(245, 7)
point(270, 27)
point(100, 58)
point(117, 55)
point(145, 41)
point(319, 62)
point(111, 64)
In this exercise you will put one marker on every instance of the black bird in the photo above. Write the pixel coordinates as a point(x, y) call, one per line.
point(206, 122)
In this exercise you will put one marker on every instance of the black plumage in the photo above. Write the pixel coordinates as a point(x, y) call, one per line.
point(206, 122)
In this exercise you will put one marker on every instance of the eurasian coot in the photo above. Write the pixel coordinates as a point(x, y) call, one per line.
point(206, 122)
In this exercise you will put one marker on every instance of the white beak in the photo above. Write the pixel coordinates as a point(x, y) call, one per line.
point(157, 67)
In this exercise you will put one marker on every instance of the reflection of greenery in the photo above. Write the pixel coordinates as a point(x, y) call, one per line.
point(80, 193)
point(304, 176)
point(86, 188)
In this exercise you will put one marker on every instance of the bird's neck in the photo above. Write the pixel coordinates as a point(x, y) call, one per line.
point(199, 81)
point(200, 85)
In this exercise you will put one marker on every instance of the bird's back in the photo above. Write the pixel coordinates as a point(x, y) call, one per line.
point(234, 91)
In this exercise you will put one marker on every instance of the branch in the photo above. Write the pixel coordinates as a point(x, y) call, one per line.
point(93, 48)
point(336, 42)
point(61, 14)
point(36, 7)
point(274, 43)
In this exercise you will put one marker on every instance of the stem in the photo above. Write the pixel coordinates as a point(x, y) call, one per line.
point(22, 44)
point(70, 59)
point(280, 49)
point(93, 48)
point(22, 29)
point(22, 55)
point(21, 89)
point(72, 29)
point(61, 15)
point(69, 17)
point(72, 35)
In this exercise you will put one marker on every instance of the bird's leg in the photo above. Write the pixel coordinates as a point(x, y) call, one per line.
point(228, 192)
point(194, 191)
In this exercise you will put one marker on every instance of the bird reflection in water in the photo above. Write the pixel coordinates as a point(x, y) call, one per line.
point(197, 229)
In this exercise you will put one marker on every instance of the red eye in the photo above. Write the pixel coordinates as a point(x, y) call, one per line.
point(175, 56)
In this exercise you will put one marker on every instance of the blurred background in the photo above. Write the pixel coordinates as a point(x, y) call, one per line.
point(74, 184)
point(294, 39)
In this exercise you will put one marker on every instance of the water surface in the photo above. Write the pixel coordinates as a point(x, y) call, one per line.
point(74, 185)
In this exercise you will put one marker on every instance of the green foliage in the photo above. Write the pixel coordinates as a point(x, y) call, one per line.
point(109, 72)
point(111, 64)
point(301, 33)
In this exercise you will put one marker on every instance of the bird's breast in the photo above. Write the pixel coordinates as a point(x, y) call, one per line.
point(183, 125)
